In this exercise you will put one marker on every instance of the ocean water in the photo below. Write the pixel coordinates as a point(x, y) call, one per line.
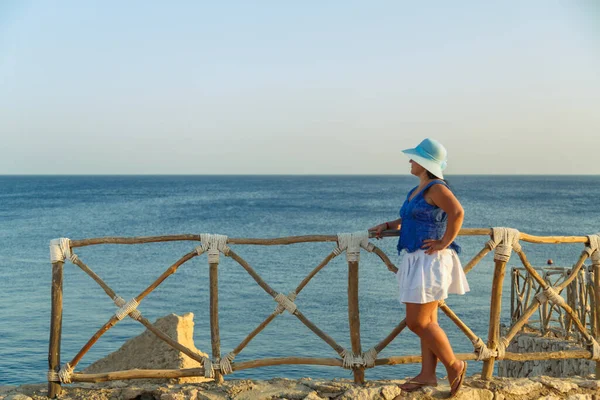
point(35, 209)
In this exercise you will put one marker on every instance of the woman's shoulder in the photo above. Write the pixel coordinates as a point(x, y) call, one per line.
point(438, 188)
point(437, 183)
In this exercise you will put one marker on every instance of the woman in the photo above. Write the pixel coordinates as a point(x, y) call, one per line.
point(430, 219)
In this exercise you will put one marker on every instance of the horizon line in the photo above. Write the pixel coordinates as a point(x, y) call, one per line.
point(291, 174)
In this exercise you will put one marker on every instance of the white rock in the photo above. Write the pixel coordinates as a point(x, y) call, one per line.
point(17, 396)
point(427, 390)
point(358, 393)
point(591, 384)
point(521, 386)
point(147, 351)
point(580, 397)
point(327, 387)
point(173, 396)
point(467, 393)
point(210, 396)
point(276, 388)
point(313, 396)
point(133, 392)
point(562, 385)
point(388, 392)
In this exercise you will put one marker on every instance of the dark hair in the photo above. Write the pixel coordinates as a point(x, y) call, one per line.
point(432, 176)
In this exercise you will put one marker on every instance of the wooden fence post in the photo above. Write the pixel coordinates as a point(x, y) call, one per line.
point(596, 311)
point(495, 308)
point(54, 388)
point(514, 281)
point(354, 318)
point(215, 337)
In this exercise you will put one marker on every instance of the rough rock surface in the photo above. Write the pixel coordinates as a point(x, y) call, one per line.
point(308, 389)
point(147, 351)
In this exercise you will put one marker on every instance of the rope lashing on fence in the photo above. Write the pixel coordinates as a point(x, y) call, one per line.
point(482, 351)
point(501, 348)
point(595, 350)
point(286, 303)
point(351, 360)
point(209, 371)
point(53, 376)
point(223, 365)
point(365, 359)
point(504, 240)
point(550, 293)
point(64, 375)
point(593, 249)
point(214, 243)
point(352, 242)
point(127, 308)
point(60, 250)
point(369, 357)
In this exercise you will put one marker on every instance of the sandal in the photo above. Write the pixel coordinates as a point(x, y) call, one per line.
point(418, 385)
point(458, 381)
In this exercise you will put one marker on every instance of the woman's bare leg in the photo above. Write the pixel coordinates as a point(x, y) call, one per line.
point(428, 363)
point(429, 359)
point(418, 320)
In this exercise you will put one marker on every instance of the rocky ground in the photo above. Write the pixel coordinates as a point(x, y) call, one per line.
point(546, 388)
point(146, 351)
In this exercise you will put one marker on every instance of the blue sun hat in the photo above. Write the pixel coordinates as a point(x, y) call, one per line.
point(431, 155)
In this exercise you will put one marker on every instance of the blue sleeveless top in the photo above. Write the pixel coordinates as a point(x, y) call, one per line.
point(420, 221)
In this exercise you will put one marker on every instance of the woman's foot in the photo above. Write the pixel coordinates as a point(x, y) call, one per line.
point(456, 376)
point(418, 382)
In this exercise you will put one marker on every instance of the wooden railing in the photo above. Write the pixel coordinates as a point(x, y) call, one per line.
point(553, 319)
point(354, 358)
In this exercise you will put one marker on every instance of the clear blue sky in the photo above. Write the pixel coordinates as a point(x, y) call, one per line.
point(276, 87)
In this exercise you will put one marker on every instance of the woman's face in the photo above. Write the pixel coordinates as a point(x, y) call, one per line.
point(416, 169)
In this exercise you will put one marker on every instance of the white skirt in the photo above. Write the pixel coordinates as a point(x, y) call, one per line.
point(423, 278)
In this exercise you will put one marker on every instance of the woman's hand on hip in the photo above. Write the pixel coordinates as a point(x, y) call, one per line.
point(431, 246)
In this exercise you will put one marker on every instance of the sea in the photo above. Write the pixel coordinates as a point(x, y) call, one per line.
point(36, 209)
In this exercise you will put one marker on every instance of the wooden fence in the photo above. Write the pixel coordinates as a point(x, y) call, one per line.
point(502, 240)
point(552, 319)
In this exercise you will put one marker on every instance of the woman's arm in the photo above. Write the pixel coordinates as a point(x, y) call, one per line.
point(443, 197)
point(394, 225)
point(388, 225)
